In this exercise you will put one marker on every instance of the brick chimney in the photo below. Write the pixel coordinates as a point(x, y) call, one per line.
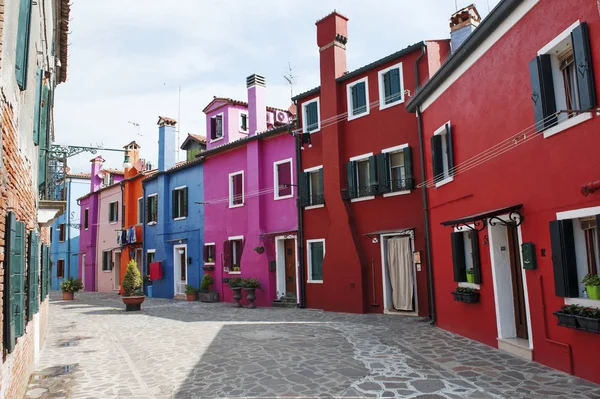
point(462, 23)
point(257, 104)
point(95, 177)
point(167, 143)
point(133, 152)
point(332, 35)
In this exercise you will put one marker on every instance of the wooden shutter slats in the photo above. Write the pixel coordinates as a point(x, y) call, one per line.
point(184, 201)
point(408, 169)
point(450, 149)
point(476, 257)
point(374, 184)
point(586, 87)
point(22, 51)
point(542, 91)
point(437, 157)
point(458, 256)
point(566, 283)
point(383, 173)
point(351, 178)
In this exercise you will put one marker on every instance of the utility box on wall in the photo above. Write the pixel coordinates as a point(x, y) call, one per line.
point(529, 258)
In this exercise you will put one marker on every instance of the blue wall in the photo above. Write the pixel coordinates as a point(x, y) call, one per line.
point(68, 249)
point(168, 232)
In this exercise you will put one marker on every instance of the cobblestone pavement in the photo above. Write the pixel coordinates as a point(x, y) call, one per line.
point(175, 349)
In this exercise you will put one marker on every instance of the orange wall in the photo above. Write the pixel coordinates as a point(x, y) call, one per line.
point(132, 190)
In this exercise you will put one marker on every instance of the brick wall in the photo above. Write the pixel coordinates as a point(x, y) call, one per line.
point(17, 194)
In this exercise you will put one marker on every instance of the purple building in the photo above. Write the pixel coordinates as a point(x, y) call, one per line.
point(100, 179)
point(250, 195)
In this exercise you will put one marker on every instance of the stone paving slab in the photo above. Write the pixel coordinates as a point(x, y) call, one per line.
point(176, 349)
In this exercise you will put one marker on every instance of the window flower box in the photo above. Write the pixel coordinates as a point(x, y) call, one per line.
point(566, 320)
point(466, 295)
point(579, 318)
point(589, 324)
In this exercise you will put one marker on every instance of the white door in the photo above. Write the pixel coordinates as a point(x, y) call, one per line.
point(180, 268)
point(83, 271)
point(117, 271)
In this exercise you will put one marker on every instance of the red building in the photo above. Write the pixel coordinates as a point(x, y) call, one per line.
point(361, 218)
point(510, 129)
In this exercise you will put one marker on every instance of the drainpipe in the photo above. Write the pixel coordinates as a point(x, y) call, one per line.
point(424, 198)
point(69, 229)
point(417, 79)
point(301, 275)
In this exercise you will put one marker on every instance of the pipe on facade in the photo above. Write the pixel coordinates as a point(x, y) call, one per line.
point(566, 346)
point(590, 188)
point(417, 79)
point(301, 276)
point(424, 198)
point(69, 228)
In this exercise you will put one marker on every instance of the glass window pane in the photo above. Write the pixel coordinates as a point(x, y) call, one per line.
point(362, 169)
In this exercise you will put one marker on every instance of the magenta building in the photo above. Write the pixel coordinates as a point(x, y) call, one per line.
point(100, 180)
point(250, 195)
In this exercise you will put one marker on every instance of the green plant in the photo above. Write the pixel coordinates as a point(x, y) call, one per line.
point(191, 290)
point(465, 290)
point(132, 282)
point(470, 271)
point(251, 283)
point(207, 281)
point(235, 282)
point(71, 285)
point(571, 309)
point(592, 280)
point(210, 260)
point(235, 268)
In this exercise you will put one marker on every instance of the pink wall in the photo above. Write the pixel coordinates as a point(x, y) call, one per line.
point(231, 131)
point(107, 235)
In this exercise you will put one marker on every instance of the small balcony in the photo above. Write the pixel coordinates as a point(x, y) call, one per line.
point(52, 203)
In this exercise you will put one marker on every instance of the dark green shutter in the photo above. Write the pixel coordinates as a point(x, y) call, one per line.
point(586, 87)
point(387, 87)
point(383, 173)
point(450, 149)
point(22, 54)
point(542, 91)
point(476, 257)
point(396, 85)
point(116, 211)
point(174, 203)
point(37, 106)
point(437, 157)
point(374, 184)
point(9, 299)
point(147, 206)
point(321, 198)
point(303, 191)
point(185, 202)
point(316, 252)
point(15, 274)
point(43, 138)
point(409, 182)
point(351, 178)
point(458, 256)
point(32, 276)
point(354, 93)
point(566, 283)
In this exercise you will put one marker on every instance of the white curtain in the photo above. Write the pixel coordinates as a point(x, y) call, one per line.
point(401, 273)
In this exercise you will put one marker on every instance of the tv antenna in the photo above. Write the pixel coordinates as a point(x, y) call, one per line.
point(137, 126)
point(291, 79)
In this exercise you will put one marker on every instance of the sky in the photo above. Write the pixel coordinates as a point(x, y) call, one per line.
point(129, 59)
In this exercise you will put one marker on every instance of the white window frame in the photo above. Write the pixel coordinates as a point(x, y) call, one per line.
point(140, 210)
point(240, 122)
point(349, 87)
point(356, 159)
point(311, 170)
point(222, 127)
point(447, 177)
point(235, 238)
point(309, 259)
point(469, 228)
point(382, 104)
point(304, 120)
point(152, 223)
point(86, 210)
point(577, 214)
point(110, 206)
point(180, 188)
point(208, 244)
point(111, 261)
point(276, 179)
point(392, 150)
point(231, 204)
point(559, 95)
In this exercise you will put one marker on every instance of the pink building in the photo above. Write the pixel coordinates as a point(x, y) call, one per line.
point(108, 249)
point(250, 195)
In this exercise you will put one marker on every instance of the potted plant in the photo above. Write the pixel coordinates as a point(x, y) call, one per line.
point(132, 288)
point(235, 268)
point(250, 285)
point(191, 293)
point(69, 287)
point(205, 294)
point(592, 285)
point(466, 295)
point(260, 249)
point(589, 320)
point(470, 275)
point(210, 260)
point(566, 315)
point(236, 286)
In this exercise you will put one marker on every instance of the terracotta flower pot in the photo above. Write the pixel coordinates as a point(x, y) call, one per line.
point(190, 297)
point(237, 295)
point(68, 296)
point(133, 303)
point(251, 297)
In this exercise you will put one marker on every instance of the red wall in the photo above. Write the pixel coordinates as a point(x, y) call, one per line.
point(489, 103)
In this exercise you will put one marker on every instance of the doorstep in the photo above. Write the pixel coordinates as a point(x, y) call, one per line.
point(400, 313)
point(516, 346)
point(180, 297)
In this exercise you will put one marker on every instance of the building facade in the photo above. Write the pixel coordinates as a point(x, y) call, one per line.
point(250, 223)
point(509, 141)
point(33, 61)
point(108, 245)
point(363, 245)
point(64, 238)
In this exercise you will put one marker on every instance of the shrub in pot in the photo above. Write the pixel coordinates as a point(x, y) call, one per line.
point(205, 294)
point(250, 285)
point(589, 320)
point(69, 287)
point(191, 293)
point(466, 295)
point(592, 285)
point(566, 315)
point(236, 286)
point(470, 275)
point(132, 288)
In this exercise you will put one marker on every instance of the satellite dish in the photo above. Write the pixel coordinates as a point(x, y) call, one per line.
point(101, 174)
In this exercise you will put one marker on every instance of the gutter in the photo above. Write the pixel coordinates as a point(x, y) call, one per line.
point(301, 274)
point(417, 78)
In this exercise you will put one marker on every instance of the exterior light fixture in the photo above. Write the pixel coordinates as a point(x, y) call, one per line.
point(181, 251)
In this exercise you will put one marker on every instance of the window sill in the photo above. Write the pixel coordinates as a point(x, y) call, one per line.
point(445, 181)
point(234, 272)
point(284, 197)
point(567, 123)
point(470, 285)
point(106, 271)
point(315, 281)
point(151, 223)
point(395, 193)
point(385, 106)
point(217, 139)
point(370, 197)
point(181, 218)
point(235, 206)
point(590, 303)
point(352, 117)
point(209, 264)
point(312, 131)
point(115, 222)
point(307, 208)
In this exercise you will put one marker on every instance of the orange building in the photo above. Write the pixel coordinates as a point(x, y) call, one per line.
point(131, 234)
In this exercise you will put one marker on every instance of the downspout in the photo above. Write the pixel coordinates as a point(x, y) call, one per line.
point(301, 276)
point(417, 79)
point(69, 229)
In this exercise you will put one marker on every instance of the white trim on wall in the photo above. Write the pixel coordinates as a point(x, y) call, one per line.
point(349, 98)
point(382, 104)
point(231, 204)
point(304, 105)
point(313, 169)
point(276, 179)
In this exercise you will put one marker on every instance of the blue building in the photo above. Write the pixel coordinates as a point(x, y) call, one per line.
point(174, 217)
point(65, 231)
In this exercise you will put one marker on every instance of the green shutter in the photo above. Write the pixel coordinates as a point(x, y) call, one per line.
point(17, 276)
point(387, 87)
point(321, 187)
point(32, 276)
point(437, 158)
point(316, 258)
point(174, 201)
point(586, 88)
point(383, 173)
point(8, 299)
point(22, 53)
point(185, 202)
point(37, 106)
point(409, 182)
point(303, 191)
point(312, 117)
point(458, 256)
point(374, 185)
point(351, 178)
point(43, 137)
point(395, 86)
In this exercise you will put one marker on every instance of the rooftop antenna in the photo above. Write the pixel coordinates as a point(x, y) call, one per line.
point(137, 125)
point(456, 5)
point(291, 79)
point(178, 114)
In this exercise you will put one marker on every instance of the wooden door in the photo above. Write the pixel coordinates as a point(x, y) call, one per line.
point(517, 283)
point(290, 266)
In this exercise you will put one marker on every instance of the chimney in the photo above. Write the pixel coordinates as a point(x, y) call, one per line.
point(332, 35)
point(167, 143)
point(133, 154)
point(462, 23)
point(257, 104)
point(96, 175)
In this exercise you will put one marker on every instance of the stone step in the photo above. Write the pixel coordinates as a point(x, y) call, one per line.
point(288, 300)
point(280, 304)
